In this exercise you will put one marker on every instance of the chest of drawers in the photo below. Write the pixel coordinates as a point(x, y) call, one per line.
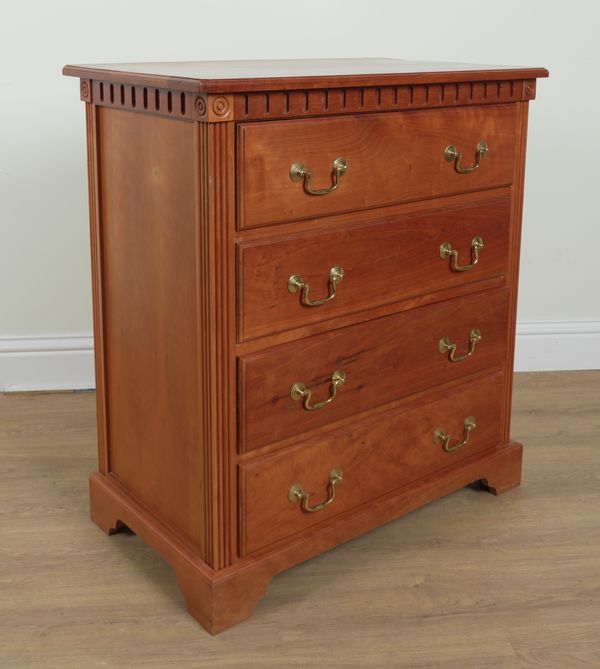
point(304, 281)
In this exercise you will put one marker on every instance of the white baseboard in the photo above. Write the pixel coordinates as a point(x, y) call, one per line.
point(544, 346)
point(66, 362)
point(52, 362)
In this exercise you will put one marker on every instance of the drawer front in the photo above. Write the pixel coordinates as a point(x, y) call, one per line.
point(382, 262)
point(382, 360)
point(374, 456)
point(392, 157)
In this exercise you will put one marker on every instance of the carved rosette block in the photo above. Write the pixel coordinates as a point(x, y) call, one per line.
point(529, 89)
point(213, 108)
point(85, 90)
point(200, 108)
point(220, 108)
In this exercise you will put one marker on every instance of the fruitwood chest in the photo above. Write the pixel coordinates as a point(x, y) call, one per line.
point(305, 283)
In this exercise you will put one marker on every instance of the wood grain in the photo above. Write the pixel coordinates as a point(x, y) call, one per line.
point(385, 261)
point(311, 102)
point(514, 259)
point(148, 259)
point(164, 286)
point(215, 288)
point(391, 158)
point(375, 456)
point(91, 118)
point(173, 173)
point(119, 92)
point(465, 582)
point(384, 359)
point(272, 75)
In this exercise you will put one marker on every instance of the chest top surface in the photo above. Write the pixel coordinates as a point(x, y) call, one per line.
point(230, 76)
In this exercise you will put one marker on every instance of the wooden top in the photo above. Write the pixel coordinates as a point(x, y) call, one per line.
point(231, 76)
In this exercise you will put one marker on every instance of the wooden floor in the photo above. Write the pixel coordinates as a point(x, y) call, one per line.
point(469, 582)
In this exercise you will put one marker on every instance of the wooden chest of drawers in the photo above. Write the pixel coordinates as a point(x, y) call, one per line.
point(305, 280)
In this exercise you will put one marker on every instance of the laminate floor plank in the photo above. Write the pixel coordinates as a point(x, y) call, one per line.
point(468, 582)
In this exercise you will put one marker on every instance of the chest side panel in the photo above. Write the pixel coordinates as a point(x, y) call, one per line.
point(153, 367)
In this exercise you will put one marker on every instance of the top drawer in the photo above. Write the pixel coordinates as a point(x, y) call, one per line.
point(390, 158)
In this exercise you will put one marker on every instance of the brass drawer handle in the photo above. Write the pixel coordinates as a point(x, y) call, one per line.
point(446, 251)
point(441, 437)
point(451, 153)
point(446, 346)
point(299, 391)
point(298, 173)
point(297, 492)
point(296, 283)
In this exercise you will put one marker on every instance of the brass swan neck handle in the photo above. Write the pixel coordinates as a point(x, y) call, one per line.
point(300, 392)
point(298, 172)
point(297, 283)
point(443, 438)
point(446, 251)
point(297, 492)
point(446, 346)
point(452, 154)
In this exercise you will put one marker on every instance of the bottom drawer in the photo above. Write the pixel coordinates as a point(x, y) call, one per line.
point(373, 457)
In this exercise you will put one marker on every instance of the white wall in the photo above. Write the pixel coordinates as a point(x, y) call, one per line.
point(45, 312)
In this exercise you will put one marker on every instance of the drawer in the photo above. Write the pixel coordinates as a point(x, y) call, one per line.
point(375, 456)
point(382, 360)
point(382, 262)
point(392, 157)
